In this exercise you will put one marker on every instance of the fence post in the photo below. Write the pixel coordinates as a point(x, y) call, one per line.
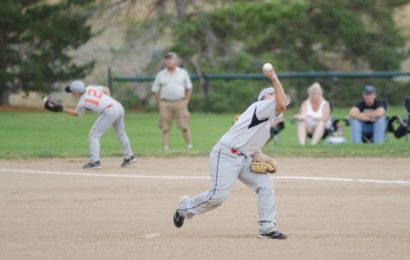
point(206, 92)
point(109, 78)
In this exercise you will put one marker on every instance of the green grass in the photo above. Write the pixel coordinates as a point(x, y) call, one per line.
point(43, 134)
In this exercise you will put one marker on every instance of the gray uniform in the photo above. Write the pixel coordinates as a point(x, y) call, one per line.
point(111, 115)
point(230, 159)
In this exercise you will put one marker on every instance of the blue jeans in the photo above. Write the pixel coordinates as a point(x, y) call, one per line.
point(375, 129)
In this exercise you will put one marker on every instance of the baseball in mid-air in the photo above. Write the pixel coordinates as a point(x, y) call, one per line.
point(267, 67)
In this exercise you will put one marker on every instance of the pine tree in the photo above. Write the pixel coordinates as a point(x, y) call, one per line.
point(35, 38)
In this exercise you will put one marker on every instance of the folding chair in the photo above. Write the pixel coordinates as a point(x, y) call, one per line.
point(401, 127)
point(274, 132)
point(407, 106)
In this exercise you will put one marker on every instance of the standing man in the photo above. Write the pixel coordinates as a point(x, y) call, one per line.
point(231, 159)
point(111, 114)
point(173, 90)
point(367, 118)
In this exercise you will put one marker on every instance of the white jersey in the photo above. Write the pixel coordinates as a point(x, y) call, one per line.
point(316, 114)
point(95, 100)
point(250, 133)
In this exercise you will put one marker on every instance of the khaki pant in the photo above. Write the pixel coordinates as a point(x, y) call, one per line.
point(173, 109)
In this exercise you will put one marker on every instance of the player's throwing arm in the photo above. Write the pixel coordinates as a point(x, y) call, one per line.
point(282, 100)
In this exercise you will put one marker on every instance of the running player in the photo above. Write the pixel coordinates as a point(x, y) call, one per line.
point(231, 159)
point(98, 100)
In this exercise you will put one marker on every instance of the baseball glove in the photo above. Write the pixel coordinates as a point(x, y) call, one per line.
point(263, 167)
point(52, 104)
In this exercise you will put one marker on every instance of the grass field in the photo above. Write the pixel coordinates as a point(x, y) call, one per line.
point(43, 134)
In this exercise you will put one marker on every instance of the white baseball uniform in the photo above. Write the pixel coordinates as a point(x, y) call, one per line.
point(111, 114)
point(231, 158)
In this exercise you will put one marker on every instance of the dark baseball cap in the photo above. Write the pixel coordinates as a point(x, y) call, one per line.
point(369, 89)
point(171, 54)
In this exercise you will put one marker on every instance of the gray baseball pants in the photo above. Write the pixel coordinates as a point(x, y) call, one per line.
point(225, 167)
point(110, 117)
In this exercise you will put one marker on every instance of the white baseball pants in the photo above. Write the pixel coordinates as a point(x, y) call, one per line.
point(110, 117)
point(225, 167)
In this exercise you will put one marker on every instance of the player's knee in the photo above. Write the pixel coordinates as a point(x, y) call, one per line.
point(264, 189)
point(121, 135)
point(93, 134)
point(218, 198)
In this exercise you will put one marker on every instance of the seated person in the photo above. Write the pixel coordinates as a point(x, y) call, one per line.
point(367, 118)
point(314, 116)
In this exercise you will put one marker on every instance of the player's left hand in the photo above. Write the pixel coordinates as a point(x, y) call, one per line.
point(259, 156)
point(52, 104)
point(263, 167)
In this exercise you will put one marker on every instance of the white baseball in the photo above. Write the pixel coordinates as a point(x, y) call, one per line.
point(267, 67)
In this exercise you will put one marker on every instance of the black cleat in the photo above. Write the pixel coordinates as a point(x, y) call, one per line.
point(178, 219)
point(92, 165)
point(273, 235)
point(128, 161)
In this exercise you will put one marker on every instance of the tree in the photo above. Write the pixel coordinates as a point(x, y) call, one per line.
point(296, 35)
point(300, 35)
point(35, 39)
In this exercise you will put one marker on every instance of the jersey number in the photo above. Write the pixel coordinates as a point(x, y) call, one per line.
point(94, 93)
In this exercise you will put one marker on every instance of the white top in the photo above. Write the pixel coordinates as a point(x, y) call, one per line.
point(95, 100)
point(252, 130)
point(172, 85)
point(318, 113)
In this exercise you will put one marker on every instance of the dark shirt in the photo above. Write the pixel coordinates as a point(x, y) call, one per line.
point(361, 105)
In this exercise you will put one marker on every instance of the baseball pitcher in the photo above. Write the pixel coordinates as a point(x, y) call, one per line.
point(111, 114)
point(238, 155)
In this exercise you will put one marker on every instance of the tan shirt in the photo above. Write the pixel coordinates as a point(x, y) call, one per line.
point(172, 86)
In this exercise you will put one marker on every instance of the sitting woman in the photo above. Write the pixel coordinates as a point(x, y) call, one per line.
point(314, 116)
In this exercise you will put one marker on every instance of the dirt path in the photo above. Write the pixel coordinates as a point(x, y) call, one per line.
point(49, 210)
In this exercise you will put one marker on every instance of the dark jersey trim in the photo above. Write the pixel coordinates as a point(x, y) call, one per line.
point(255, 121)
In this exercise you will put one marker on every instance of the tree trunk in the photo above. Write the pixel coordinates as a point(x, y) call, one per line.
point(4, 96)
point(180, 5)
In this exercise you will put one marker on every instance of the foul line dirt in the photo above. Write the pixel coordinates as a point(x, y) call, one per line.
point(111, 175)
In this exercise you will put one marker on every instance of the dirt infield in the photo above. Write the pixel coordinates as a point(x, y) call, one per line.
point(342, 208)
